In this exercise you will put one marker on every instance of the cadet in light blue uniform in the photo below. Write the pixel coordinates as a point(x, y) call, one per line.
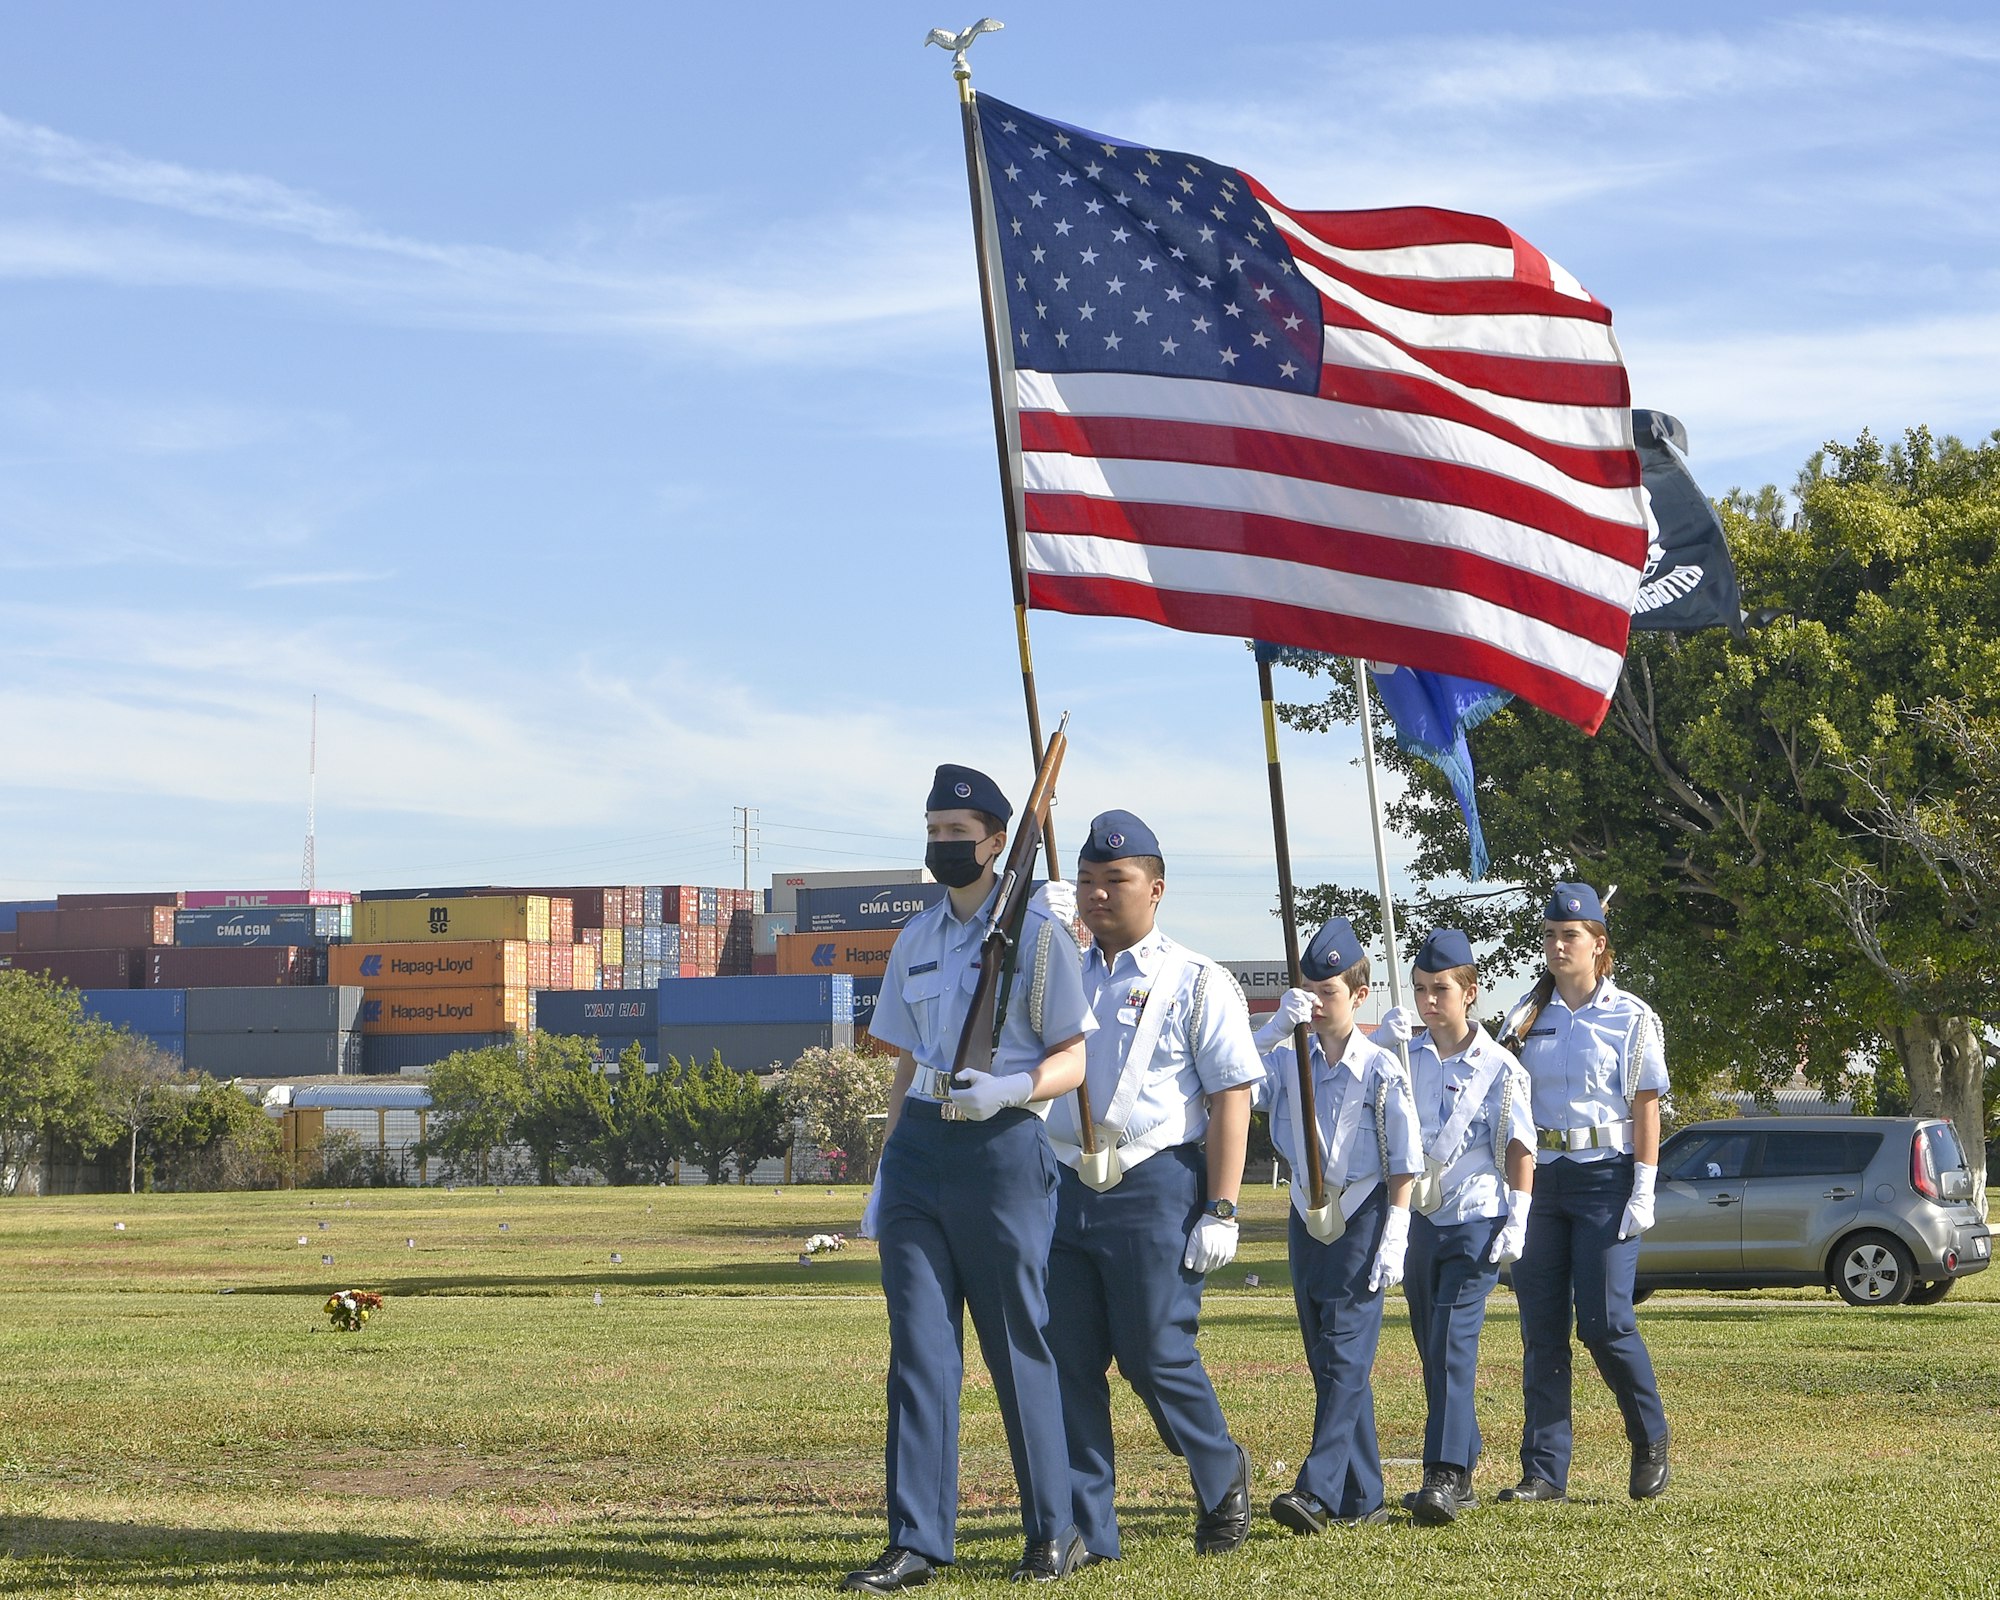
point(1595, 1056)
point(1170, 1069)
point(1472, 1208)
point(964, 1203)
point(1367, 1132)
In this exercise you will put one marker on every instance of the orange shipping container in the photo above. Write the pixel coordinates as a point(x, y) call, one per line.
point(466, 964)
point(444, 1010)
point(865, 953)
point(562, 966)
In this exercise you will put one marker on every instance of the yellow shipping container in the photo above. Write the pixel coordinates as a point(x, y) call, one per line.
point(488, 1010)
point(482, 964)
point(614, 946)
point(864, 953)
point(584, 973)
point(473, 916)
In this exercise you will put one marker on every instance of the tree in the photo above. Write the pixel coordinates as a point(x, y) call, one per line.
point(635, 1144)
point(214, 1136)
point(1800, 820)
point(137, 1086)
point(839, 1098)
point(475, 1097)
point(721, 1116)
point(47, 1051)
point(565, 1104)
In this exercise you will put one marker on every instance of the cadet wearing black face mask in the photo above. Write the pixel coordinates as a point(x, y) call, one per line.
point(964, 1201)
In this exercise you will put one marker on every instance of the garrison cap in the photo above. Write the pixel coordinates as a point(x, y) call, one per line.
point(1443, 950)
point(1115, 835)
point(1573, 902)
point(1333, 950)
point(963, 789)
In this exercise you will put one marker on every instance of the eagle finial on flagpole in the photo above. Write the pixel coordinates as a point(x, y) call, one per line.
point(959, 43)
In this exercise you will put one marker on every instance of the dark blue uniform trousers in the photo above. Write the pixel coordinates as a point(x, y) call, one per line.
point(967, 1212)
point(1118, 1291)
point(1342, 1323)
point(1446, 1282)
point(1575, 1261)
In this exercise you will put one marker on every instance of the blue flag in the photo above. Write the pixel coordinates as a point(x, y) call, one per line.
point(1431, 712)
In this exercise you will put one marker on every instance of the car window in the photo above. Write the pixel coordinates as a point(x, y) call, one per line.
point(1710, 1155)
point(1943, 1140)
point(1814, 1155)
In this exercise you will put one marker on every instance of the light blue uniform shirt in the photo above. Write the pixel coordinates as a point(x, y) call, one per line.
point(1172, 1099)
point(1363, 1068)
point(1578, 1063)
point(1478, 1187)
point(933, 969)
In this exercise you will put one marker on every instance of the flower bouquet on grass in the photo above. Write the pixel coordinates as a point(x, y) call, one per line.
point(822, 1244)
point(350, 1308)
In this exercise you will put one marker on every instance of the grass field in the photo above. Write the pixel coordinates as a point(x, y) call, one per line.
point(176, 1417)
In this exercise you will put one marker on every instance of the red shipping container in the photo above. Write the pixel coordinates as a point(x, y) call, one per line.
point(538, 966)
point(223, 967)
point(764, 966)
point(562, 920)
point(125, 897)
point(613, 909)
point(612, 977)
point(7, 942)
point(562, 966)
point(95, 928)
point(594, 937)
point(83, 969)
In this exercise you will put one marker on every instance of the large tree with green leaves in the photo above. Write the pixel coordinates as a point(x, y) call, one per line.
point(723, 1117)
point(475, 1097)
point(48, 1051)
point(840, 1097)
point(1801, 821)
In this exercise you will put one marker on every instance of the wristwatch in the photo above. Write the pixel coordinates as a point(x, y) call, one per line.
point(1221, 1210)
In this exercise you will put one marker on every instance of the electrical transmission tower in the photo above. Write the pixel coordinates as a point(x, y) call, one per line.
point(749, 838)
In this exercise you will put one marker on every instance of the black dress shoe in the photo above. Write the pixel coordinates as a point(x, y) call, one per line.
point(1532, 1489)
point(1045, 1560)
point(1227, 1525)
point(1446, 1492)
point(1649, 1470)
point(1301, 1512)
point(1363, 1519)
point(894, 1570)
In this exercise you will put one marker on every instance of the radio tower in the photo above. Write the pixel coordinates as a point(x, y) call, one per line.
point(312, 798)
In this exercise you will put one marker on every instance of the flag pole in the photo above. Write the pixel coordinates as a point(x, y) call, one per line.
point(1095, 1163)
point(1381, 850)
point(1320, 1218)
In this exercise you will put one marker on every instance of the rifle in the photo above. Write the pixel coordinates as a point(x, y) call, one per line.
point(1000, 948)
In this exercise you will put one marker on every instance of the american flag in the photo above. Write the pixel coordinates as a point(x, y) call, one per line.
point(1401, 435)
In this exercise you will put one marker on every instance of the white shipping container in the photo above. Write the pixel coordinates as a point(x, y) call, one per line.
point(766, 926)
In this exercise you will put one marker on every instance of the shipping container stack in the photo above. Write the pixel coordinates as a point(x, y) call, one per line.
point(274, 1032)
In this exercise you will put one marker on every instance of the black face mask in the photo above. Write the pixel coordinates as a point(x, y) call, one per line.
point(954, 863)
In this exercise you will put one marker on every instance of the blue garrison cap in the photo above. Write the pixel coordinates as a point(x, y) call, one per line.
point(1115, 835)
point(1573, 902)
point(1443, 950)
point(963, 789)
point(1333, 950)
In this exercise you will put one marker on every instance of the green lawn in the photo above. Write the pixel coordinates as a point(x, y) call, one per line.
point(176, 1417)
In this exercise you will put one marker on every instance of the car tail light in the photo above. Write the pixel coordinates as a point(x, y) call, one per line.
point(1951, 1261)
point(1923, 1177)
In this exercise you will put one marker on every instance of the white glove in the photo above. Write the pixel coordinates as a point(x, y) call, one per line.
point(1058, 899)
point(1211, 1245)
point(984, 1094)
point(1639, 1209)
point(1513, 1232)
point(1396, 1024)
point(871, 1211)
point(1294, 1007)
point(1388, 1269)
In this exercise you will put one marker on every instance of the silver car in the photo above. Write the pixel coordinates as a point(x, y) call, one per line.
point(1880, 1209)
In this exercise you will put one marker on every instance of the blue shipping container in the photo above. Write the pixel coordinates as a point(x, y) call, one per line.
point(607, 1051)
point(10, 909)
point(866, 992)
point(141, 1010)
point(850, 909)
point(412, 1052)
point(809, 998)
point(261, 925)
point(604, 1013)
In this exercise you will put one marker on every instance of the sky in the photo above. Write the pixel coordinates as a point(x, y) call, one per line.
point(589, 405)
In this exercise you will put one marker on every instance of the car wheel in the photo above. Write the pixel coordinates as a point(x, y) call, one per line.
point(1874, 1269)
point(1641, 1296)
point(1929, 1294)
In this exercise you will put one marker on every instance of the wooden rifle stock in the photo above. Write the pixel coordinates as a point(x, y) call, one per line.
point(1003, 932)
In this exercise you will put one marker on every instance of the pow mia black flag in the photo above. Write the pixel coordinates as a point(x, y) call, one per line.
point(1689, 582)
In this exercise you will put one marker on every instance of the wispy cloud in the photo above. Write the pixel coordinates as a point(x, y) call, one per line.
point(314, 580)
